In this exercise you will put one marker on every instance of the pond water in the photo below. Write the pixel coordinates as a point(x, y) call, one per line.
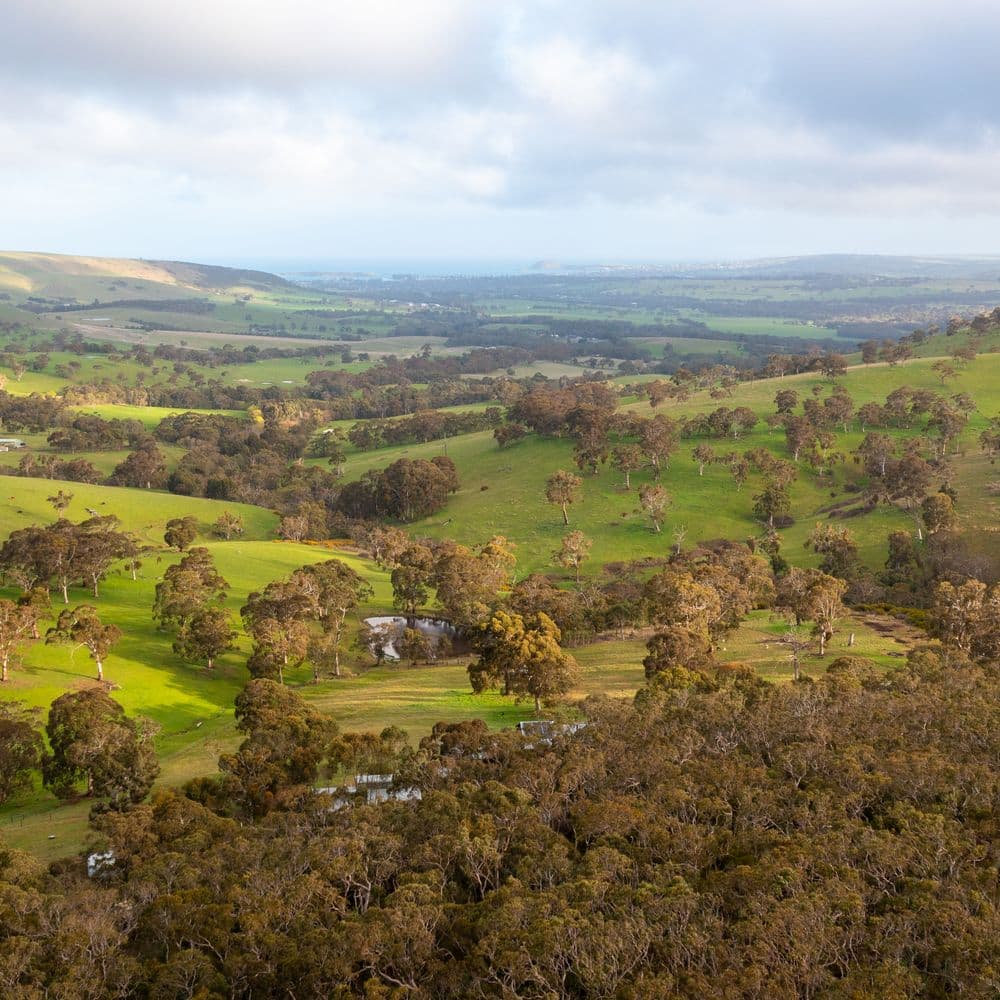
point(434, 628)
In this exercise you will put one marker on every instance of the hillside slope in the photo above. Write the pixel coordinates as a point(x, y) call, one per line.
point(61, 276)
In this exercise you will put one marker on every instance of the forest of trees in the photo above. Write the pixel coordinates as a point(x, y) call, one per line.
point(718, 837)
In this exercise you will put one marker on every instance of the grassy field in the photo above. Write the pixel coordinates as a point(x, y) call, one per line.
point(503, 491)
point(193, 707)
point(657, 346)
point(761, 326)
point(148, 415)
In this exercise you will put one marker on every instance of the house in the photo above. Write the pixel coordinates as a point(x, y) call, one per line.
point(376, 788)
point(100, 863)
point(543, 731)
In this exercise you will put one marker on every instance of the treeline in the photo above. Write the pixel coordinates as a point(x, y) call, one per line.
point(718, 837)
point(194, 306)
point(254, 460)
point(423, 426)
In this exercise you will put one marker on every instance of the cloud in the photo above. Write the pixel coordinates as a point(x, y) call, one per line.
point(309, 111)
point(194, 45)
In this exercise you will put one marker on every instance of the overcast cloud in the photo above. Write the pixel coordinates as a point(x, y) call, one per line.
point(443, 128)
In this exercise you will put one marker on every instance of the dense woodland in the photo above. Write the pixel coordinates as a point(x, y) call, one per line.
point(830, 836)
point(719, 837)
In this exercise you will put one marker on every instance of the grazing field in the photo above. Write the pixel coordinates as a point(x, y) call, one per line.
point(503, 489)
point(762, 326)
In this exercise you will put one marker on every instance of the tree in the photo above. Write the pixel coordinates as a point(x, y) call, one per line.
point(876, 451)
point(286, 742)
point(989, 439)
point(181, 532)
point(811, 595)
point(469, 583)
point(589, 425)
point(82, 626)
point(772, 501)
point(409, 490)
point(573, 552)
point(99, 546)
point(909, 479)
point(678, 647)
point(329, 444)
point(91, 739)
point(39, 601)
point(869, 351)
point(386, 543)
point(187, 587)
point(946, 422)
point(826, 606)
point(20, 747)
point(967, 618)
point(800, 432)
point(374, 639)
point(276, 619)
point(18, 626)
point(38, 556)
point(658, 440)
point(871, 414)
point(508, 434)
point(703, 455)
point(655, 501)
point(323, 654)
point(278, 645)
point(145, 468)
point(838, 408)
point(626, 459)
point(785, 400)
point(838, 548)
point(938, 513)
point(944, 370)
point(60, 501)
point(677, 600)
point(208, 633)
point(657, 392)
point(796, 639)
point(497, 560)
point(524, 656)
point(411, 580)
point(293, 528)
point(228, 524)
point(335, 591)
point(414, 646)
point(833, 365)
point(561, 489)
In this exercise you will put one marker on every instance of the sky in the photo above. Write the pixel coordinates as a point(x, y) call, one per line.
point(569, 130)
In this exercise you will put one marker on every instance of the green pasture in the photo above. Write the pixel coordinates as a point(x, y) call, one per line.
point(656, 346)
point(503, 490)
point(104, 461)
point(194, 707)
point(286, 372)
point(144, 512)
point(761, 326)
point(150, 416)
point(31, 382)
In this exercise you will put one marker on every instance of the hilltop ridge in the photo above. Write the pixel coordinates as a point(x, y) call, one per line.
point(66, 276)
